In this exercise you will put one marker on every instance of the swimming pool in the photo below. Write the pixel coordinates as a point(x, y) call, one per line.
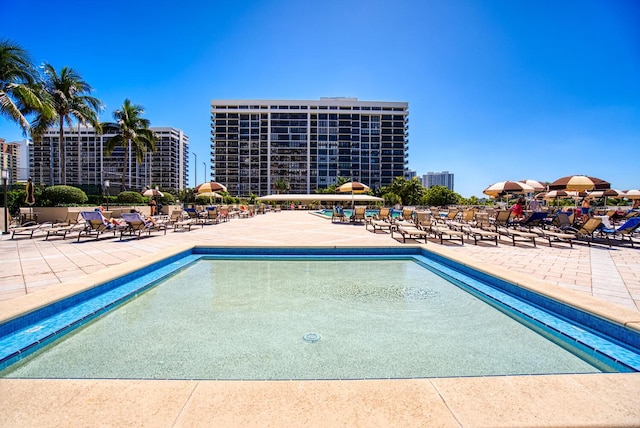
point(605, 344)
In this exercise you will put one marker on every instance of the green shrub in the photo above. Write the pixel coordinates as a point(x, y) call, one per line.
point(55, 196)
point(15, 199)
point(167, 199)
point(131, 198)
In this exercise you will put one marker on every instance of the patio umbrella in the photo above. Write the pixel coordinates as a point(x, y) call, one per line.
point(504, 187)
point(609, 193)
point(578, 183)
point(632, 194)
point(152, 193)
point(211, 195)
point(537, 186)
point(554, 195)
point(210, 186)
point(353, 187)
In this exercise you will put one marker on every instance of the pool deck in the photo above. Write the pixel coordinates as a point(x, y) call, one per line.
point(607, 281)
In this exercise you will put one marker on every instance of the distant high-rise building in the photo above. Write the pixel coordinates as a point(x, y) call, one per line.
point(307, 144)
point(87, 164)
point(10, 159)
point(444, 178)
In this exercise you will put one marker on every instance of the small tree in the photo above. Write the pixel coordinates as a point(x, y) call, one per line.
point(440, 196)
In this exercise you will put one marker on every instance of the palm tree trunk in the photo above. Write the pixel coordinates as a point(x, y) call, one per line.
point(124, 167)
point(63, 171)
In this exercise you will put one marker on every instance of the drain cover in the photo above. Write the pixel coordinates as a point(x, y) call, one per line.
point(311, 337)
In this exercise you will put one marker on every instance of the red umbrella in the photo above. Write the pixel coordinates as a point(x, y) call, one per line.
point(578, 183)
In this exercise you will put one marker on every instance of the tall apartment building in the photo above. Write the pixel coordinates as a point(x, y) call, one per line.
point(444, 178)
point(87, 164)
point(308, 144)
point(10, 160)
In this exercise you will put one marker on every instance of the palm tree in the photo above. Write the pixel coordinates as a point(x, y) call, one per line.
point(70, 99)
point(409, 191)
point(281, 185)
point(132, 130)
point(20, 91)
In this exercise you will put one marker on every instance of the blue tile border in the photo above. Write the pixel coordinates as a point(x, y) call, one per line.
point(593, 338)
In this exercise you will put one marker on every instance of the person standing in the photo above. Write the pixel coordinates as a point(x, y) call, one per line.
point(518, 208)
point(534, 205)
point(586, 206)
point(152, 204)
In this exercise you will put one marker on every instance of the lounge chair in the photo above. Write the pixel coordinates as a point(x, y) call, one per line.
point(452, 215)
point(483, 222)
point(589, 228)
point(478, 233)
point(466, 219)
point(95, 224)
point(535, 219)
point(555, 235)
point(195, 216)
point(562, 221)
point(502, 219)
point(627, 229)
point(212, 216)
point(379, 225)
point(407, 213)
point(410, 232)
point(339, 215)
point(423, 219)
point(518, 235)
point(178, 220)
point(136, 224)
point(435, 213)
point(69, 225)
point(440, 231)
point(359, 214)
point(383, 214)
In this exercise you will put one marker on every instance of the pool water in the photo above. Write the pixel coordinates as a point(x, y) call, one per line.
point(301, 319)
point(348, 212)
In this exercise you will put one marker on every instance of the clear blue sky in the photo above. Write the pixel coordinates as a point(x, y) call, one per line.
point(497, 90)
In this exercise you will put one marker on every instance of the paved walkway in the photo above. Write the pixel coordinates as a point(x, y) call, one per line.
point(28, 265)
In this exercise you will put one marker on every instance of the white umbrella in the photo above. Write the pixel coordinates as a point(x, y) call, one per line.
point(537, 186)
point(632, 194)
point(503, 187)
point(211, 195)
point(152, 193)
